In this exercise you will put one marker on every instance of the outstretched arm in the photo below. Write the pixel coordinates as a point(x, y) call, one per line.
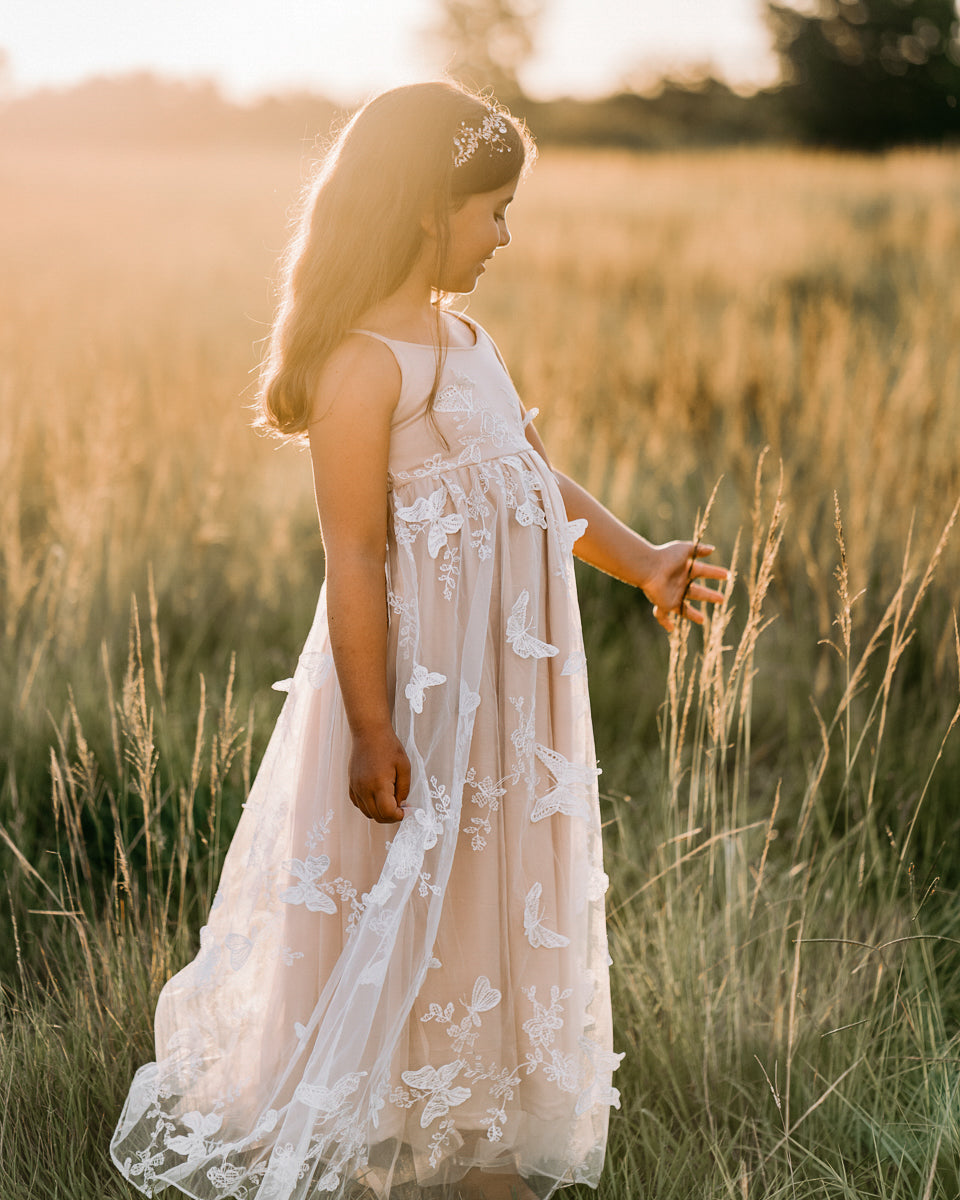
point(669, 574)
point(349, 445)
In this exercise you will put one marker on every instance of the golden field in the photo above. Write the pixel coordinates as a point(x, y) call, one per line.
point(780, 796)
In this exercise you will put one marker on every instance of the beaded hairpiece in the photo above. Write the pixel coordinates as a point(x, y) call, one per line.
point(492, 132)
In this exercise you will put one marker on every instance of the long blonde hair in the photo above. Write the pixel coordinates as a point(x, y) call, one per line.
point(359, 232)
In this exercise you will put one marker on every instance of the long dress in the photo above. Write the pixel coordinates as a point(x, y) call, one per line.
point(376, 1009)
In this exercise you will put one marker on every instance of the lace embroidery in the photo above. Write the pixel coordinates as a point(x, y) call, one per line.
point(450, 571)
point(328, 1101)
point(310, 892)
point(427, 513)
point(521, 640)
point(572, 788)
point(486, 794)
point(457, 398)
point(537, 933)
point(463, 1034)
point(435, 1086)
point(542, 1029)
point(406, 610)
point(419, 681)
point(597, 1089)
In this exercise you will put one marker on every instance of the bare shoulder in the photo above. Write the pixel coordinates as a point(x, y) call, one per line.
point(361, 378)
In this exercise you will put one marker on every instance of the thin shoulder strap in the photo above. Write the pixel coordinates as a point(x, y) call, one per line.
point(379, 336)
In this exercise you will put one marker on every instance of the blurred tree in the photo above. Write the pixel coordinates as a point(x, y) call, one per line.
point(486, 42)
point(870, 73)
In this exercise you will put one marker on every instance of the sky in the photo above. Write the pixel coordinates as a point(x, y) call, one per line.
point(347, 48)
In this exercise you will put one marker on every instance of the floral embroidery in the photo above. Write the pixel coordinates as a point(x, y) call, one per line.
point(464, 1034)
point(598, 1089)
point(225, 1176)
point(486, 793)
point(485, 524)
point(450, 571)
point(315, 896)
point(542, 1029)
point(406, 610)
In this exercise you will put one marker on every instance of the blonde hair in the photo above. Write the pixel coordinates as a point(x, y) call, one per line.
point(359, 232)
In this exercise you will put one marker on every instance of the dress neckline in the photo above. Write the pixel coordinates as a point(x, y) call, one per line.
point(471, 325)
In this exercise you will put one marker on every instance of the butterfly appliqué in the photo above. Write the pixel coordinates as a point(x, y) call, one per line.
point(426, 512)
point(522, 641)
point(572, 790)
point(537, 933)
point(419, 681)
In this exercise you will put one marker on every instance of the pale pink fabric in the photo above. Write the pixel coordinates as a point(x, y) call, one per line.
point(384, 1007)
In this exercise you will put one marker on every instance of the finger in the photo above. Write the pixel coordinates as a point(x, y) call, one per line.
point(709, 571)
point(402, 786)
point(692, 614)
point(664, 618)
point(709, 595)
point(386, 808)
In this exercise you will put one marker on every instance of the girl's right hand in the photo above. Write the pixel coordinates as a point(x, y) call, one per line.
point(379, 776)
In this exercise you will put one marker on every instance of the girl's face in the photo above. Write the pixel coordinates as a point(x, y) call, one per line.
point(477, 229)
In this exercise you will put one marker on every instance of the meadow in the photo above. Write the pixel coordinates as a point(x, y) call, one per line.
point(760, 347)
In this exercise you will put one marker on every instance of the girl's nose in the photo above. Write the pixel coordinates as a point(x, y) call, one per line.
point(504, 235)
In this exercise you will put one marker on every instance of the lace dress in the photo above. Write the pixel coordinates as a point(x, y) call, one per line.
point(376, 1009)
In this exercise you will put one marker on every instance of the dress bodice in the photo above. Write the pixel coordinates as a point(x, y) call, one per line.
point(476, 415)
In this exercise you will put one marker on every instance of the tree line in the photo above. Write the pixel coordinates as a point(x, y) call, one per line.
point(860, 74)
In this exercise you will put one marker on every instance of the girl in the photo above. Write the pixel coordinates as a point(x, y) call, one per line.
point(411, 999)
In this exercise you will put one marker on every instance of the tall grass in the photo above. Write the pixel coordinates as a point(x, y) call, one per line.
point(785, 991)
point(779, 822)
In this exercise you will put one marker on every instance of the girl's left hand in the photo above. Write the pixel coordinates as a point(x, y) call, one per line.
point(674, 584)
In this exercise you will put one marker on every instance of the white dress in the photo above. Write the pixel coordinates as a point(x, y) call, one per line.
point(375, 1009)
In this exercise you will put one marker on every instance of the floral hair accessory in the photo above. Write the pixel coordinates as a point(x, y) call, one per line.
point(492, 131)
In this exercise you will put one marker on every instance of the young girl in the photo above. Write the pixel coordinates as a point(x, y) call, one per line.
point(402, 989)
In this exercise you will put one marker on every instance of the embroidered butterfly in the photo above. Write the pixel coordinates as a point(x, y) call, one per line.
point(306, 891)
point(572, 787)
point(426, 512)
point(419, 681)
point(483, 999)
point(574, 664)
point(435, 1084)
point(201, 1126)
point(537, 933)
point(519, 636)
point(328, 1100)
point(239, 947)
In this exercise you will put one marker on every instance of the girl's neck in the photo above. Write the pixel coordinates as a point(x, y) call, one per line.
point(409, 314)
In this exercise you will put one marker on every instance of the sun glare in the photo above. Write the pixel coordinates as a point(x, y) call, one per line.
point(346, 51)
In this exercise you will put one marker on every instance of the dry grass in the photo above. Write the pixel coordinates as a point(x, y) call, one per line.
point(784, 934)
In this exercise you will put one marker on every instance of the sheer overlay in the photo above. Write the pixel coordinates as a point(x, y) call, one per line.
point(376, 1010)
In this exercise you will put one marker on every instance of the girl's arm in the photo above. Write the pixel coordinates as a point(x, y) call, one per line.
point(666, 574)
point(349, 433)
